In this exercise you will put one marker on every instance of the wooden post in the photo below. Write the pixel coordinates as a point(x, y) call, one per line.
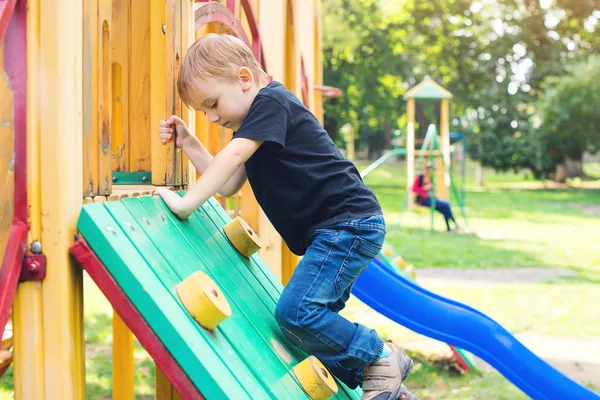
point(105, 92)
point(410, 152)
point(27, 315)
point(120, 52)
point(61, 126)
point(158, 88)
point(90, 98)
point(445, 144)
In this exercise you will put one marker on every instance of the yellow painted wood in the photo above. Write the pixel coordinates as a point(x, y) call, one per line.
point(61, 161)
point(158, 89)
point(410, 151)
point(120, 53)
point(105, 92)
point(143, 127)
point(315, 379)
point(271, 14)
point(187, 114)
point(291, 80)
point(445, 145)
point(203, 299)
point(123, 365)
point(173, 52)
point(90, 98)
point(27, 313)
point(289, 261)
point(318, 61)
point(164, 389)
point(7, 169)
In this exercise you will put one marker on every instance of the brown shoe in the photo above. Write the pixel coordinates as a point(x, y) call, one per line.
point(383, 378)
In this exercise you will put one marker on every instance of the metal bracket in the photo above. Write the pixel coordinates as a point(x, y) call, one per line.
point(34, 267)
point(132, 178)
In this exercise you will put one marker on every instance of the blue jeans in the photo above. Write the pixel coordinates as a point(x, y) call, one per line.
point(443, 207)
point(307, 311)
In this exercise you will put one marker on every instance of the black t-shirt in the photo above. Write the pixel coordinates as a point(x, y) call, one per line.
point(298, 175)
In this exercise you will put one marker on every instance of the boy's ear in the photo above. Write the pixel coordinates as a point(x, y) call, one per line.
point(246, 78)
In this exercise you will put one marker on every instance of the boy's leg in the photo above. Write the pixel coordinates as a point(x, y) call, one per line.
point(307, 311)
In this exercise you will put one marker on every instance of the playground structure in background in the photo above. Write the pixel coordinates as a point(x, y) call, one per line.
point(435, 149)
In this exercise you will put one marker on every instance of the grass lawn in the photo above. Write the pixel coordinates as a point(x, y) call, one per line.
point(512, 227)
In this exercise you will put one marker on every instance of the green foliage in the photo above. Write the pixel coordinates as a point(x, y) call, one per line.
point(493, 56)
point(570, 111)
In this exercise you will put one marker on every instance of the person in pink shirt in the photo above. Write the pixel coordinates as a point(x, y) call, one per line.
point(423, 189)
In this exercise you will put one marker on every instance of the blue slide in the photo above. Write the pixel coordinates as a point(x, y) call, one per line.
point(460, 325)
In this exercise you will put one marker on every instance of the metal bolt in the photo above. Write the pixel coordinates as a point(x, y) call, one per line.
point(114, 178)
point(213, 292)
point(164, 29)
point(11, 163)
point(129, 224)
point(144, 178)
point(34, 266)
point(146, 220)
point(36, 247)
point(106, 186)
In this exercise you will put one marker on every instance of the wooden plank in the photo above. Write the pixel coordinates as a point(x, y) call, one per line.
point(120, 50)
point(158, 88)
point(90, 98)
point(187, 114)
point(157, 301)
point(143, 127)
point(60, 45)
point(105, 92)
point(130, 315)
point(7, 167)
point(252, 320)
point(122, 354)
point(123, 365)
point(173, 50)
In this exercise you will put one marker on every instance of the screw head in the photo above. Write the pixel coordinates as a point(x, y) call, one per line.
point(36, 247)
point(144, 178)
point(114, 178)
point(34, 266)
point(164, 29)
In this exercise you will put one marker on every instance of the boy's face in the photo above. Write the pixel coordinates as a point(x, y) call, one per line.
point(225, 102)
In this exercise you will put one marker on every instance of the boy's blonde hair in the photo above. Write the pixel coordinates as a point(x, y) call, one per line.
point(216, 56)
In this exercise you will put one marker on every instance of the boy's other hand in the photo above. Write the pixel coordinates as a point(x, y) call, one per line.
point(166, 129)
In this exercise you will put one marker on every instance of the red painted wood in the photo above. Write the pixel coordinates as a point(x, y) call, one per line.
point(15, 50)
point(16, 246)
point(6, 10)
point(206, 12)
point(130, 315)
point(460, 360)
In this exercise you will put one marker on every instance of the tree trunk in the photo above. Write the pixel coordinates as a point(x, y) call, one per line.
point(569, 169)
point(479, 174)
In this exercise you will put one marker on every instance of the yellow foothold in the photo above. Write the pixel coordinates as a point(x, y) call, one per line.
point(315, 379)
point(204, 300)
point(399, 261)
point(411, 271)
point(242, 237)
point(387, 251)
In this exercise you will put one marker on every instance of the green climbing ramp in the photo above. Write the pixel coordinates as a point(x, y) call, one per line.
point(148, 252)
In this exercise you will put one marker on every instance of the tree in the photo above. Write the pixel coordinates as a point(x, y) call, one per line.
point(570, 110)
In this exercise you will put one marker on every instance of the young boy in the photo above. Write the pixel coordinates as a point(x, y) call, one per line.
point(312, 195)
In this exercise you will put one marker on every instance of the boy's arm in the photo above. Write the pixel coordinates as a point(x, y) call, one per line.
point(201, 159)
point(223, 167)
